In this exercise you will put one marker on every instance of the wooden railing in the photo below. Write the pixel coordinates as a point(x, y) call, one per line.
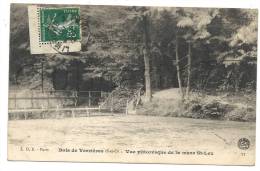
point(22, 104)
point(35, 99)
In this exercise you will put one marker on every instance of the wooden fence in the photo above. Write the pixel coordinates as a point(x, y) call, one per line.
point(35, 99)
point(29, 104)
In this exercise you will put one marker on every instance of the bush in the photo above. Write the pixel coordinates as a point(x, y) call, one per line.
point(210, 107)
point(241, 114)
point(199, 107)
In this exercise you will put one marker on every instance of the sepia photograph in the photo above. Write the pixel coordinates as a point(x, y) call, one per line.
point(132, 84)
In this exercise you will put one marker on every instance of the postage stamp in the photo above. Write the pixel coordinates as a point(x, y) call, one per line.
point(54, 30)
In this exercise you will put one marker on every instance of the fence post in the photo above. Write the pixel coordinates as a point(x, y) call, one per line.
point(48, 100)
point(15, 101)
point(56, 111)
point(43, 115)
point(89, 99)
point(76, 98)
point(126, 109)
point(32, 99)
point(73, 114)
point(112, 101)
point(88, 113)
point(25, 116)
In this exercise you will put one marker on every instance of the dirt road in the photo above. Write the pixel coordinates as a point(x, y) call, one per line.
point(133, 132)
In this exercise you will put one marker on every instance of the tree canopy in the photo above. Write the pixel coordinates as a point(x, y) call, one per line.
point(222, 44)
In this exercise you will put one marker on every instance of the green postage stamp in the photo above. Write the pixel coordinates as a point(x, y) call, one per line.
point(54, 30)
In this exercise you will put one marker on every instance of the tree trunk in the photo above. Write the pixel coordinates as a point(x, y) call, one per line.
point(178, 68)
point(189, 71)
point(148, 88)
point(155, 74)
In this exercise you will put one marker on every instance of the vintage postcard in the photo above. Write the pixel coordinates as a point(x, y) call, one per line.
point(132, 84)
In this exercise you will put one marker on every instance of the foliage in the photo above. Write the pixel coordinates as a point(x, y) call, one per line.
point(224, 49)
point(201, 106)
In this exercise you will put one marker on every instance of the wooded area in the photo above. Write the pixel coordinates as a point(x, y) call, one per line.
point(205, 50)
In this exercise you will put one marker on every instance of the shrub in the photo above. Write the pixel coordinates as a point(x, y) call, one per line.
point(199, 107)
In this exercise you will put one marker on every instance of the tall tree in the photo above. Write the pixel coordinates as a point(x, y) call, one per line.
point(146, 53)
point(193, 23)
point(189, 69)
point(178, 66)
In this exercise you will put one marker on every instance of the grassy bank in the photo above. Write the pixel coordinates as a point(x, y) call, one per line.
point(220, 106)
